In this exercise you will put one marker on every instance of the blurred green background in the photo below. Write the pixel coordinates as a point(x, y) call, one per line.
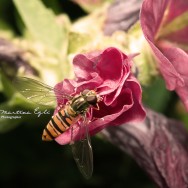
point(26, 161)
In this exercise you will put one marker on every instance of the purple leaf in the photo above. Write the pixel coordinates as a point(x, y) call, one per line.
point(122, 15)
point(159, 146)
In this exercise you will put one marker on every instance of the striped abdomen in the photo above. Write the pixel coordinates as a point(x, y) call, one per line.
point(59, 123)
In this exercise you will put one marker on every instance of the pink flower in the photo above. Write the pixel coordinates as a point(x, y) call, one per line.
point(108, 72)
point(165, 26)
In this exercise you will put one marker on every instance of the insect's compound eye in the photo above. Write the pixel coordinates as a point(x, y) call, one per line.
point(91, 100)
point(85, 92)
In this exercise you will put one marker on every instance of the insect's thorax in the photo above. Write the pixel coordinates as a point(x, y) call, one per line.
point(79, 104)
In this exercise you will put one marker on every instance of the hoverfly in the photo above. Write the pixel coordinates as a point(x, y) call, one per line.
point(74, 111)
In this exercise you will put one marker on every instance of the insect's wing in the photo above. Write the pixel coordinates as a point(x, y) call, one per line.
point(36, 91)
point(82, 151)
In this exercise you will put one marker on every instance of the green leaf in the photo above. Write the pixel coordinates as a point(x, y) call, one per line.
point(90, 6)
point(6, 86)
point(5, 30)
point(54, 5)
point(156, 96)
point(77, 41)
point(41, 23)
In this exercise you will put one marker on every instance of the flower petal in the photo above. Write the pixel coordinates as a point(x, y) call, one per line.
point(152, 12)
point(176, 8)
point(136, 113)
point(179, 60)
point(83, 67)
point(110, 67)
point(105, 118)
point(107, 72)
point(151, 16)
point(177, 15)
point(64, 138)
point(179, 36)
point(109, 99)
point(66, 87)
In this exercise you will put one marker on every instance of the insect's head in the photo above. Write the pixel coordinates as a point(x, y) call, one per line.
point(91, 97)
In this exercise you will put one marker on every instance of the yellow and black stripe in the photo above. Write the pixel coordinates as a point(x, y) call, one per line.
point(58, 124)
